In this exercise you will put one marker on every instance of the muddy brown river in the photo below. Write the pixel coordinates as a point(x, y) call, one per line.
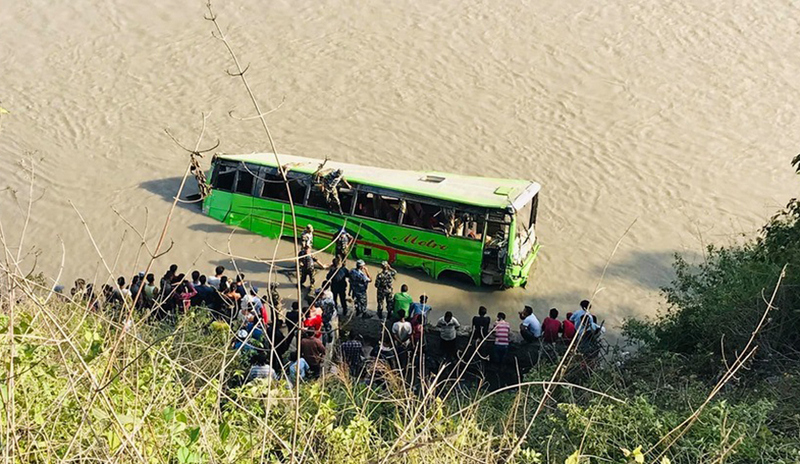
point(681, 116)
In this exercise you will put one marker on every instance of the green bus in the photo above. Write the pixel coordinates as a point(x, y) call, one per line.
point(443, 224)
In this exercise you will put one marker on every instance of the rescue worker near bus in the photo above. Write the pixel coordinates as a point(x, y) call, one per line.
point(359, 282)
point(330, 182)
point(308, 266)
point(384, 282)
point(343, 245)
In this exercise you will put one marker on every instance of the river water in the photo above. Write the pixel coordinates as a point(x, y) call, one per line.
point(681, 116)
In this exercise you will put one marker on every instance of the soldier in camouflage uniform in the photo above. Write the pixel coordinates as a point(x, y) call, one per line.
point(359, 282)
point(308, 266)
point(343, 245)
point(384, 282)
point(330, 182)
point(274, 302)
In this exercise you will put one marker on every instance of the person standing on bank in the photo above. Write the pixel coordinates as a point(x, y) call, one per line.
point(402, 300)
point(308, 266)
point(384, 282)
point(307, 237)
point(448, 325)
point(359, 282)
point(343, 245)
point(501, 334)
point(480, 326)
point(337, 278)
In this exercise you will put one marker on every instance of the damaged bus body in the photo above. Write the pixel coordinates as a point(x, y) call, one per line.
point(444, 224)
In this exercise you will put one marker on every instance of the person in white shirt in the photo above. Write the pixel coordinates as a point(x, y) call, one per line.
point(307, 237)
point(448, 325)
point(531, 328)
point(214, 281)
point(401, 330)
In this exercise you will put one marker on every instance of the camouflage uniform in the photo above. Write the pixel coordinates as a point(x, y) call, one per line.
point(342, 245)
point(308, 268)
point(384, 282)
point(358, 286)
point(329, 184)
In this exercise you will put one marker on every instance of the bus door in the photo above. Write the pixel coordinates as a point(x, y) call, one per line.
point(495, 247)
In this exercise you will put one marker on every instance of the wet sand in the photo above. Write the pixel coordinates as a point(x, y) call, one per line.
point(681, 116)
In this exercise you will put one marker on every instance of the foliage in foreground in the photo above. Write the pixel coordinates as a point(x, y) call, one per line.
point(166, 398)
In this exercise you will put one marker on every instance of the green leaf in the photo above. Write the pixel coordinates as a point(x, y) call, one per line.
point(181, 417)
point(183, 455)
point(168, 414)
point(113, 440)
point(224, 431)
point(194, 434)
point(99, 414)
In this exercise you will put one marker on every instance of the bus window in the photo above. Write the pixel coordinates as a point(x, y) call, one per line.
point(365, 205)
point(496, 233)
point(226, 175)
point(244, 184)
point(316, 199)
point(420, 214)
point(389, 208)
point(474, 227)
point(275, 189)
point(346, 196)
point(376, 206)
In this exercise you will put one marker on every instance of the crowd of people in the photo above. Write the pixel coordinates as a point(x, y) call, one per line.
point(274, 335)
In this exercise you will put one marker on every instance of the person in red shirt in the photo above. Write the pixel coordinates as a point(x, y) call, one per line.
point(551, 327)
point(568, 329)
point(313, 321)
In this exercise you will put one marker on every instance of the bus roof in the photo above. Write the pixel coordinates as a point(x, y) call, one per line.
point(472, 190)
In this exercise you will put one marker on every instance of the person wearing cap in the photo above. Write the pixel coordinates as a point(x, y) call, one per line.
point(307, 237)
point(384, 282)
point(359, 282)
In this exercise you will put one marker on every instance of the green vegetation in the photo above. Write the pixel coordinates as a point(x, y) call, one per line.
point(82, 386)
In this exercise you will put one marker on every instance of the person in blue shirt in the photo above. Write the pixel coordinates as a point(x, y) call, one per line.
point(582, 318)
point(422, 308)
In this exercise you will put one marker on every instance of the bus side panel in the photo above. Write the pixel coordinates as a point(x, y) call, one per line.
point(241, 211)
point(376, 241)
point(414, 248)
point(218, 205)
point(267, 217)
